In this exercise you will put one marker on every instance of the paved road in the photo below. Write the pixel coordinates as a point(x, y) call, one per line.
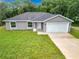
point(67, 44)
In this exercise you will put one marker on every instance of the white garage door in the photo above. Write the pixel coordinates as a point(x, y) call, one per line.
point(57, 27)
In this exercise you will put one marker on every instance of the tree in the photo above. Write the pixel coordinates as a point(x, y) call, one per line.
point(59, 8)
point(73, 10)
point(43, 8)
point(2, 12)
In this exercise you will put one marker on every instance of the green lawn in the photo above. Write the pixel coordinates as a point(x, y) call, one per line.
point(27, 45)
point(75, 32)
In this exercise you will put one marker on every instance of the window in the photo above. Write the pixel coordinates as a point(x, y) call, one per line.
point(13, 24)
point(29, 24)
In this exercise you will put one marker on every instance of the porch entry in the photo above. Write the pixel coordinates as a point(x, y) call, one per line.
point(39, 26)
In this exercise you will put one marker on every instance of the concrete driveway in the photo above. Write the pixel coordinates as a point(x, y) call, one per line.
point(67, 44)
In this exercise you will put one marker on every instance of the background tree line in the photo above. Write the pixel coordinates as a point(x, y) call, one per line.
point(68, 8)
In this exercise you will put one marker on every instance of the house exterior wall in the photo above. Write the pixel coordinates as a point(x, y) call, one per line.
point(19, 25)
point(7, 25)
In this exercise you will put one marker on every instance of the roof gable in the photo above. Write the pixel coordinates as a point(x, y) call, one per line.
point(59, 18)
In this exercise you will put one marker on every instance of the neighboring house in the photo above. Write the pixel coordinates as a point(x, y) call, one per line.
point(39, 21)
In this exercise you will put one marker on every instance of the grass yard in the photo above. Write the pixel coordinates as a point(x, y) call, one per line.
point(75, 32)
point(27, 45)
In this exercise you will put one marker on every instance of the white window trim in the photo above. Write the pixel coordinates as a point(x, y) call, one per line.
point(29, 27)
point(10, 25)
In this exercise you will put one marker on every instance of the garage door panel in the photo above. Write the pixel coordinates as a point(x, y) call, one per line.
point(56, 27)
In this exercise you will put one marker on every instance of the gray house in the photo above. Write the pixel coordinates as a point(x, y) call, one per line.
point(39, 21)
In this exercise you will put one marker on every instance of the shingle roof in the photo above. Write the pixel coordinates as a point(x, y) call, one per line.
point(36, 16)
point(33, 16)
